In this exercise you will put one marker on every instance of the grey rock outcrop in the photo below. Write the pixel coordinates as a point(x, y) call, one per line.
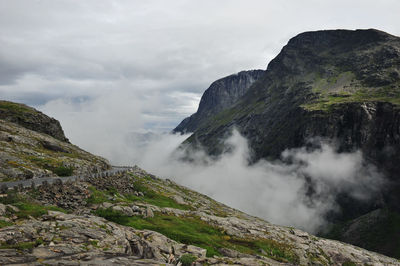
point(32, 119)
point(81, 238)
point(341, 85)
point(221, 95)
point(60, 239)
point(27, 154)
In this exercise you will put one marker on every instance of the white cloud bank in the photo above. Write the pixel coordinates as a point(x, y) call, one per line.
point(275, 191)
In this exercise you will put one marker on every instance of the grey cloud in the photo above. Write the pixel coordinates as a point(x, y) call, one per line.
point(60, 50)
point(109, 68)
point(276, 191)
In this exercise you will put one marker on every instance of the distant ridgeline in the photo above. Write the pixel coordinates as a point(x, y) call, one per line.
point(341, 85)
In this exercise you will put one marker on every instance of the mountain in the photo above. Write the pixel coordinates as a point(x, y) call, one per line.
point(32, 119)
point(339, 85)
point(221, 95)
point(131, 217)
point(34, 145)
point(378, 230)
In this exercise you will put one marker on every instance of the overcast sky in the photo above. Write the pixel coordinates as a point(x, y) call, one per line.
point(146, 63)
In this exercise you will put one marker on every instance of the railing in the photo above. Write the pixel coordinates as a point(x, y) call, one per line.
point(4, 186)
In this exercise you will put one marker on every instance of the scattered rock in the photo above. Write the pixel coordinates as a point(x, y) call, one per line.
point(149, 213)
point(12, 207)
point(2, 209)
point(179, 199)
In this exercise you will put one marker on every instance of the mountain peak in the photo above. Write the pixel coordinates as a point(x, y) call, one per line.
point(329, 38)
point(221, 94)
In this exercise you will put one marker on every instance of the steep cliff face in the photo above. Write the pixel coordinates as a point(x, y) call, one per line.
point(221, 95)
point(335, 84)
point(32, 119)
point(340, 85)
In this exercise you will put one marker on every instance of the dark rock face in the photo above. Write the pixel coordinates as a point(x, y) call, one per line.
point(324, 83)
point(221, 95)
point(377, 230)
point(31, 119)
point(341, 85)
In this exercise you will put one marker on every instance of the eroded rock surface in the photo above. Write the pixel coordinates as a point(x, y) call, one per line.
point(81, 237)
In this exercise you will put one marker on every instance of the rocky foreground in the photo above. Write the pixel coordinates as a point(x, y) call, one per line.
point(134, 218)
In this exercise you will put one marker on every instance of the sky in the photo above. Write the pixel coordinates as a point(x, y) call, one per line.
point(155, 56)
point(112, 70)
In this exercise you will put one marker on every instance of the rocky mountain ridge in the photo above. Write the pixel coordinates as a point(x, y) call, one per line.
point(32, 119)
point(27, 153)
point(135, 218)
point(221, 95)
point(339, 85)
point(314, 74)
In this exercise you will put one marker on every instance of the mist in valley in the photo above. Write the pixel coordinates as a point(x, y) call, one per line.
point(277, 191)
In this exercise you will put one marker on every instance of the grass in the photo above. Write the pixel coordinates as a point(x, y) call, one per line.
point(154, 198)
point(98, 196)
point(349, 263)
point(150, 196)
point(381, 237)
point(187, 259)
point(63, 170)
point(326, 101)
point(4, 223)
point(21, 245)
point(14, 107)
point(52, 164)
point(27, 207)
point(192, 230)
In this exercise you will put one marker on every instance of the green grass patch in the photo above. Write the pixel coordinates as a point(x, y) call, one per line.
point(98, 196)
point(27, 207)
point(380, 236)
point(193, 231)
point(349, 263)
point(15, 107)
point(52, 164)
point(326, 101)
point(21, 245)
point(187, 259)
point(150, 196)
point(4, 223)
point(63, 170)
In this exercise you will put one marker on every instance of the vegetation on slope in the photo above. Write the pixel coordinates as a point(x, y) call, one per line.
point(378, 231)
point(192, 230)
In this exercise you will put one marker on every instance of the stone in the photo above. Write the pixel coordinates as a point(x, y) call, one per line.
point(135, 208)
point(229, 252)
point(2, 209)
point(12, 207)
point(106, 205)
point(149, 213)
point(179, 199)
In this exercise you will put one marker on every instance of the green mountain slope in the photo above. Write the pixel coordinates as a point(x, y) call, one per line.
point(340, 85)
point(135, 218)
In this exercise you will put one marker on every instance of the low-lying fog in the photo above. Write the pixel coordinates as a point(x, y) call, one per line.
point(275, 191)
